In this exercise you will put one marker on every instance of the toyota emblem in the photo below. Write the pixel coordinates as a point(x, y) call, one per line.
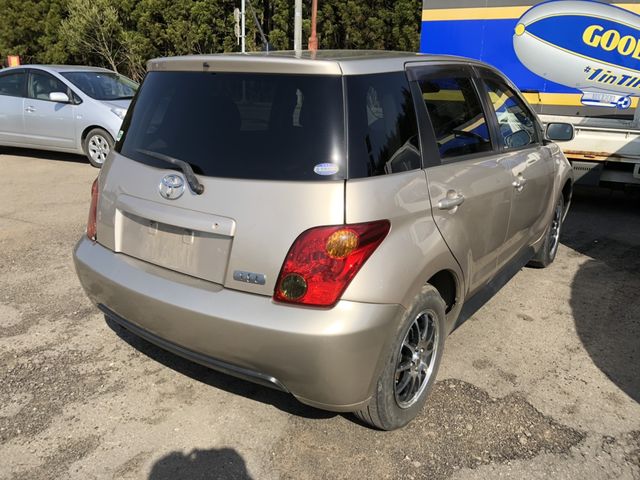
point(171, 187)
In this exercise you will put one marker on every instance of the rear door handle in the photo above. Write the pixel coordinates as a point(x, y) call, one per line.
point(451, 202)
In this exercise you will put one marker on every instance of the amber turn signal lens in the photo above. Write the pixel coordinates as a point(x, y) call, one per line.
point(341, 243)
point(293, 286)
point(323, 260)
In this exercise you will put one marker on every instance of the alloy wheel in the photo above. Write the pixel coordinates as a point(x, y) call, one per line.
point(414, 365)
point(98, 148)
point(555, 230)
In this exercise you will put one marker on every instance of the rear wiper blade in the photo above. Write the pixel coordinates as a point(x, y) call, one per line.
point(192, 180)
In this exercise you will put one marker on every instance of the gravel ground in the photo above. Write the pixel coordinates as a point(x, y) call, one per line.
point(542, 382)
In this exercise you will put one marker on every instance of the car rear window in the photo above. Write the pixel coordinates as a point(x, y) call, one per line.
point(240, 125)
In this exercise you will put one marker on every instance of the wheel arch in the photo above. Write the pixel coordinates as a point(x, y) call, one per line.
point(450, 286)
point(86, 131)
point(445, 282)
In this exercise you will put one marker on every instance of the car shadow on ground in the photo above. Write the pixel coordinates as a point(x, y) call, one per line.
point(213, 463)
point(281, 400)
point(605, 292)
point(44, 155)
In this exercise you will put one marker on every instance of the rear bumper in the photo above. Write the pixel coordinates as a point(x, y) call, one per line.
point(329, 359)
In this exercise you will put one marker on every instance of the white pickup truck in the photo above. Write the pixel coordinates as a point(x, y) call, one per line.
point(576, 61)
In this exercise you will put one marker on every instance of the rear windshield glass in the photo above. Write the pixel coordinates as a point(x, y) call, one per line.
point(240, 125)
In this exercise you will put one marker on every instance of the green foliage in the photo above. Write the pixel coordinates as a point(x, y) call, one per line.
point(124, 34)
point(29, 29)
point(179, 27)
point(93, 31)
point(372, 24)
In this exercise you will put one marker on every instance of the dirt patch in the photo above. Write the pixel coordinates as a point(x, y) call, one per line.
point(38, 385)
point(633, 456)
point(128, 468)
point(57, 465)
point(88, 404)
point(460, 427)
point(34, 286)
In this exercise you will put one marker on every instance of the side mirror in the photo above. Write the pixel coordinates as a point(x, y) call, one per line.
point(59, 97)
point(517, 139)
point(560, 132)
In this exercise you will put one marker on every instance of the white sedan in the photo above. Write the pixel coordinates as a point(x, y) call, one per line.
point(72, 109)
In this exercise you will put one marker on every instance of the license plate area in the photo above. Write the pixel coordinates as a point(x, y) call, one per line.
point(200, 254)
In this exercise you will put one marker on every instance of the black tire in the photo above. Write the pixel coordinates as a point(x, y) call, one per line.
point(547, 253)
point(97, 145)
point(384, 410)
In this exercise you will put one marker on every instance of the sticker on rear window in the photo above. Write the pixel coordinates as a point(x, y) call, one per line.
point(326, 169)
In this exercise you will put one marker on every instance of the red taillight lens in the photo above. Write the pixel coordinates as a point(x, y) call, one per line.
point(323, 260)
point(93, 210)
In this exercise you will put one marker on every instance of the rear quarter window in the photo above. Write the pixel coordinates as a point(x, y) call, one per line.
point(12, 84)
point(240, 125)
point(383, 130)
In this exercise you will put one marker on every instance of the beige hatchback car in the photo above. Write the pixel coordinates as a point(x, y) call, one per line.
point(320, 224)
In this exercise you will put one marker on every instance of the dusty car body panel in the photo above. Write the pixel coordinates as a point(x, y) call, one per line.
point(197, 272)
point(252, 219)
point(307, 354)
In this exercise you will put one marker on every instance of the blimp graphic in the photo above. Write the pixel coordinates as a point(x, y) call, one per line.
point(591, 46)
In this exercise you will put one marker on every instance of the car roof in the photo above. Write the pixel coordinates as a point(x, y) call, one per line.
point(322, 62)
point(62, 68)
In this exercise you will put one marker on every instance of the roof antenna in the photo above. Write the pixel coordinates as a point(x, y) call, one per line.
point(243, 17)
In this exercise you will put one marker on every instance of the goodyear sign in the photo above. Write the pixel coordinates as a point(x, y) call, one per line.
point(561, 53)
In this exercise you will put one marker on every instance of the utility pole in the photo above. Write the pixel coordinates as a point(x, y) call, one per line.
point(313, 39)
point(297, 25)
point(244, 29)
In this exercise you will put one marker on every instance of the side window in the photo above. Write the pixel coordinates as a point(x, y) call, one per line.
point(459, 123)
point(383, 130)
point(12, 84)
point(42, 84)
point(517, 124)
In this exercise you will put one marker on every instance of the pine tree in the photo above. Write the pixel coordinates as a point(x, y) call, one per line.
point(144, 29)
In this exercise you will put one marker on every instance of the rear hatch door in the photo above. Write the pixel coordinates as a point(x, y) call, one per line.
point(269, 151)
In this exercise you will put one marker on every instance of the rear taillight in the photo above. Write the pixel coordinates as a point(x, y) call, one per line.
point(93, 210)
point(323, 260)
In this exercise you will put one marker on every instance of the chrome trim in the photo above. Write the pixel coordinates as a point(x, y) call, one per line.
point(171, 186)
point(249, 277)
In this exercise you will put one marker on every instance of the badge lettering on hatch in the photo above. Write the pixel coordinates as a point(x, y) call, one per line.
point(250, 277)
